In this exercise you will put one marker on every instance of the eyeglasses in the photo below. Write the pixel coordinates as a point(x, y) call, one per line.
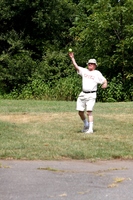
point(91, 63)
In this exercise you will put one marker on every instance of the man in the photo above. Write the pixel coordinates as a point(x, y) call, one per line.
point(87, 98)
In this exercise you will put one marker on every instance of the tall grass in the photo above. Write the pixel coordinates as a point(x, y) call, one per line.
point(47, 130)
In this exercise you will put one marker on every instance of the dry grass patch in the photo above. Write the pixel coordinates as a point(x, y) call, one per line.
point(125, 118)
point(40, 117)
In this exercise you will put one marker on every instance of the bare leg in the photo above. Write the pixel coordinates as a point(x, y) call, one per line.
point(82, 115)
point(90, 118)
point(83, 118)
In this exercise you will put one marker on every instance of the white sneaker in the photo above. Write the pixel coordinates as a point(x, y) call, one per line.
point(85, 128)
point(89, 131)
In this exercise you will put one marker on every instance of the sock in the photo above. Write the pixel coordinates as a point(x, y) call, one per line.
point(86, 123)
point(91, 125)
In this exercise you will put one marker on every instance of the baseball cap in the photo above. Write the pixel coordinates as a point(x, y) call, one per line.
point(92, 61)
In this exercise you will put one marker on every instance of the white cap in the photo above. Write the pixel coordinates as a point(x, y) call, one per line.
point(92, 61)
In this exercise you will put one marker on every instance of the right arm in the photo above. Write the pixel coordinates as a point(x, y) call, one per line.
point(71, 55)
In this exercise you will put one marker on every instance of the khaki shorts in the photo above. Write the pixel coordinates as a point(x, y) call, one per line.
point(86, 101)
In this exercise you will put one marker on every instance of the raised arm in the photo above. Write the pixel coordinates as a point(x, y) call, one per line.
point(71, 55)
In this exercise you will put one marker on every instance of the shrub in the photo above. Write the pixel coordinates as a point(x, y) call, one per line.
point(37, 89)
point(114, 91)
point(67, 88)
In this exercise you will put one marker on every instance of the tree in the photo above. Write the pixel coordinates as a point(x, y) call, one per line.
point(40, 24)
point(28, 30)
point(105, 32)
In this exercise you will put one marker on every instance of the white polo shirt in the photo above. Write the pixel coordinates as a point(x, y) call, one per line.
point(90, 79)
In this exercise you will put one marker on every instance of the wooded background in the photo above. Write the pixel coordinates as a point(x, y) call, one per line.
point(35, 37)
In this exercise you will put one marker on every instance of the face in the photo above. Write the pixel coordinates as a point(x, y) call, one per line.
point(91, 66)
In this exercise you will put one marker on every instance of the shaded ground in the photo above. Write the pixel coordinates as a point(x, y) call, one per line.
point(69, 180)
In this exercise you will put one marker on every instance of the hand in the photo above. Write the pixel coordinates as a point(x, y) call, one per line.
point(104, 86)
point(71, 54)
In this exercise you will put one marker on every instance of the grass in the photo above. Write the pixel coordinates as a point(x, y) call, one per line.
point(50, 130)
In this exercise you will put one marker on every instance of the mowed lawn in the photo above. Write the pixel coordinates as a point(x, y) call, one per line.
point(51, 130)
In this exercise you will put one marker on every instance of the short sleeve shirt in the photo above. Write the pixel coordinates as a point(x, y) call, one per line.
point(90, 79)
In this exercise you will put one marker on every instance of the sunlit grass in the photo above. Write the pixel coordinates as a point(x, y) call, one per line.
point(41, 130)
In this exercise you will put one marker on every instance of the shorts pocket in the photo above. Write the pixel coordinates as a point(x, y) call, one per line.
point(81, 97)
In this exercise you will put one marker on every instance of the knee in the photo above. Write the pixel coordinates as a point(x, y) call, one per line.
point(81, 113)
point(89, 113)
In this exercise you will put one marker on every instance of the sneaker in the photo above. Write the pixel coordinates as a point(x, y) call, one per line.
point(89, 131)
point(85, 128)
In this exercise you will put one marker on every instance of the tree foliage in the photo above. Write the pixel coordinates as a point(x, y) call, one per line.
point(28, 31)
point(105, 32)
point(35, 36)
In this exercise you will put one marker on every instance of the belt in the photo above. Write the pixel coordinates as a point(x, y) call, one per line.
point(89, 91)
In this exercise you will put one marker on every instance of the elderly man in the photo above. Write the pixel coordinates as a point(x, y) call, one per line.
point(87, 98)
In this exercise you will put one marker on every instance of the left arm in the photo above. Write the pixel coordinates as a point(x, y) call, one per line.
point(104, 85)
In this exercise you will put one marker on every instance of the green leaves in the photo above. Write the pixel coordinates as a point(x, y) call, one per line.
point(105, 32)
point(35, 37)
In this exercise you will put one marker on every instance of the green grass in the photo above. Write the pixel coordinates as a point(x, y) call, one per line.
point(48, 130)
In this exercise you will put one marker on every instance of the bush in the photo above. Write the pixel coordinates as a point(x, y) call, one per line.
point(64, 89)
point(55, 65)
point(67, 88)
point(37, 89)
point(114, 91)
point(15, 70)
